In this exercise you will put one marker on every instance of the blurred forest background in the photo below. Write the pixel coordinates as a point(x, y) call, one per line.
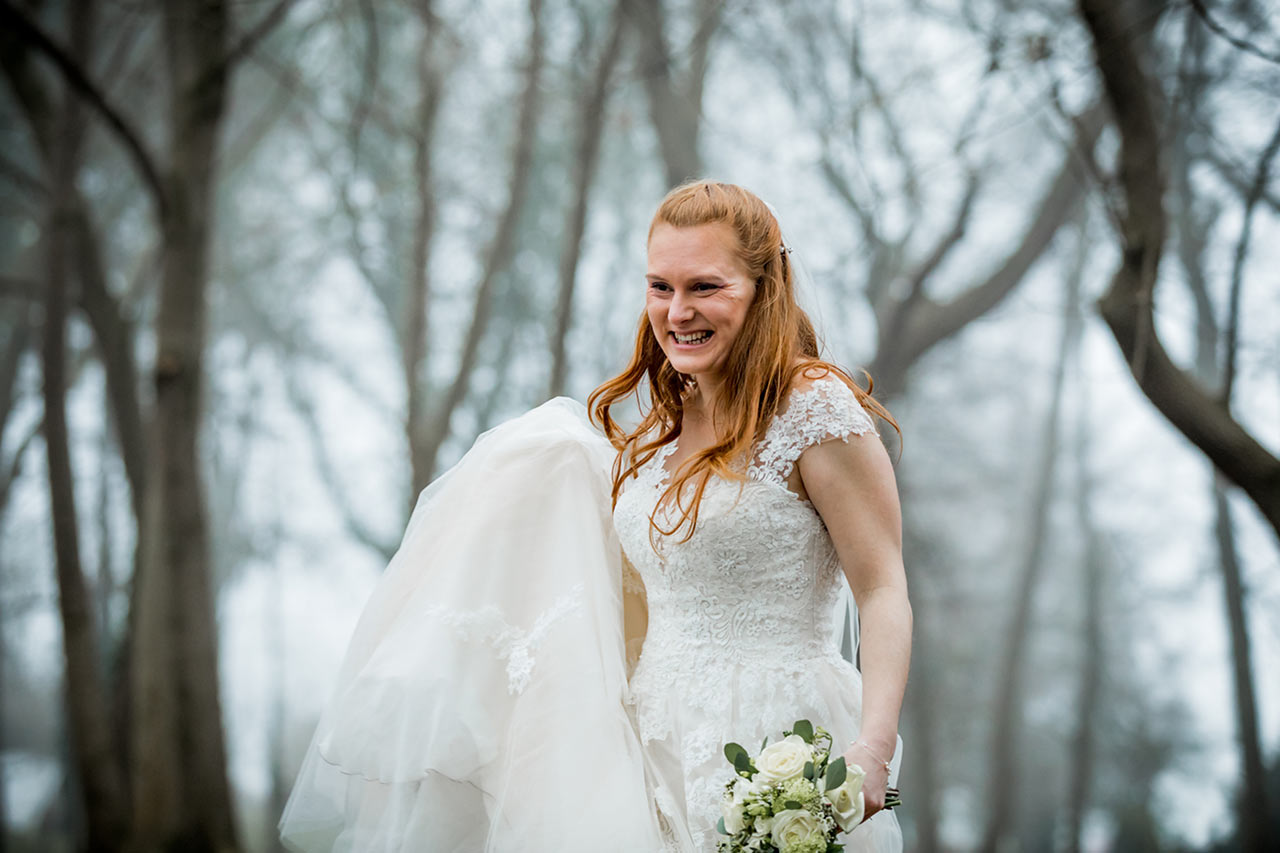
point(266, 268)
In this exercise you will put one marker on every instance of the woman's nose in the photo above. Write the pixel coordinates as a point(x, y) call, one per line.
point(680, 309)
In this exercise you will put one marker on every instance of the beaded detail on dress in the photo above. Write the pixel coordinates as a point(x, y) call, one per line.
point(740, 616)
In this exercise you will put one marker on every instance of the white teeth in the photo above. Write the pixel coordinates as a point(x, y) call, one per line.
point(696, 338)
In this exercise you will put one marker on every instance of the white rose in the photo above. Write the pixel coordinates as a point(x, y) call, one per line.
point(734, 803)
point(732, 811)
point(731, 807)
point(784, 760)
point(743, 788)
point(792, 826)
point(846, 800)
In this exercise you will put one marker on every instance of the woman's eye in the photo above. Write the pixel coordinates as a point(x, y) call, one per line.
point(704, 286)
point(658, 286)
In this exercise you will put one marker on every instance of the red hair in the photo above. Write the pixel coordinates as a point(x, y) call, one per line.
point(776, 344)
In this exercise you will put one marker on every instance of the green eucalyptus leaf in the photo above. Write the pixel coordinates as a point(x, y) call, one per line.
point(836, 774)
point(804, 728)
point(732, 751)
point(808, 770)
point(720, 827)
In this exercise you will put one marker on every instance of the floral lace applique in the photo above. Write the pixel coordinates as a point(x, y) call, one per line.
point(513, 644)
point(826, 409)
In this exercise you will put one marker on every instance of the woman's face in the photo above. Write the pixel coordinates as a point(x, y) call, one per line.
point(698, 296)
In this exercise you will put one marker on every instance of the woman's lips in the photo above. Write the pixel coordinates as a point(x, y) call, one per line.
point(701, 340)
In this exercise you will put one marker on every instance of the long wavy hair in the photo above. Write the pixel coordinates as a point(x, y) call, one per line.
point(776, 344)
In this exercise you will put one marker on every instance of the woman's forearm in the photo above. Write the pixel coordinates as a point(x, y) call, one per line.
point(884, 618)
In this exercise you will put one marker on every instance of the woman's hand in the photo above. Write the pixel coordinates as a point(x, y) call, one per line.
point(876, 781)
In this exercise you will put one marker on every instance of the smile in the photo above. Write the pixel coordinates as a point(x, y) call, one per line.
point(692, 339)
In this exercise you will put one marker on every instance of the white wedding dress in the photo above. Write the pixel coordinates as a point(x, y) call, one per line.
point(740, 641)
point(488, 700)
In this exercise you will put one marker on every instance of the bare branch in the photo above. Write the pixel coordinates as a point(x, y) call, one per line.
point(247, 42)
point(329, 473)
point(12, 470)
point(948, 240)
point(20, 176)
point(17, 287)
point(15, 346)
point(1235, 41)
point(76, 78)
point(1232, 174)
point(1261, 177)
point(929, 322)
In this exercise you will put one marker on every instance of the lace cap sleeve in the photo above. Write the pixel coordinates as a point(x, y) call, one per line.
point(826, 409)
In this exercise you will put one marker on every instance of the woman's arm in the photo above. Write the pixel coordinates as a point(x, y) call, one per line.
point(852, 486)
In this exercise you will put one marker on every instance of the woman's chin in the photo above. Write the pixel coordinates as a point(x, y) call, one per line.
point(691, 365)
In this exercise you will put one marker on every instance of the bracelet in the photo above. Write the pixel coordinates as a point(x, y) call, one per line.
point(874, 757)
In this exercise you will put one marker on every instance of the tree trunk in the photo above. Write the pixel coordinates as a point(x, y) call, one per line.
point(15, 347)
point(923, 704)
point(1002, 771)
point(417, 317)
point(182, 797)
point(590, 130)
point(1251, 807)
point(114, 336)
point(1093, 647)
point(101, 788)
point(1212, 371)
point(281, 779)
point(675, 100)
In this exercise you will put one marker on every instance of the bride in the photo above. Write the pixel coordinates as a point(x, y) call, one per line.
point(576, 623)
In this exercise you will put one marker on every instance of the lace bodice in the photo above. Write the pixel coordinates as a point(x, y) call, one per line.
point(740, 615)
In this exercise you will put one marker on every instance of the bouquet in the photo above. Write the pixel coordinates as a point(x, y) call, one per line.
point(791, 797)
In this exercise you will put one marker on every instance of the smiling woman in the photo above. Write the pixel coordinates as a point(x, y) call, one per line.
point(737, 628)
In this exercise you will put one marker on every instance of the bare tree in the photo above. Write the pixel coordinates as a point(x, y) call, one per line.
point(176, 702)
point(1093, 640)
point(589, 133)
point(500, 249)
point(100, 779)
point(1006, 724)
point(180, 788)
point(675, 93)
point(1215, 367)
point(1128, 305)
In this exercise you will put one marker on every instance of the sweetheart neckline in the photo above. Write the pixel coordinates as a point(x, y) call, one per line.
point(659, 461)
